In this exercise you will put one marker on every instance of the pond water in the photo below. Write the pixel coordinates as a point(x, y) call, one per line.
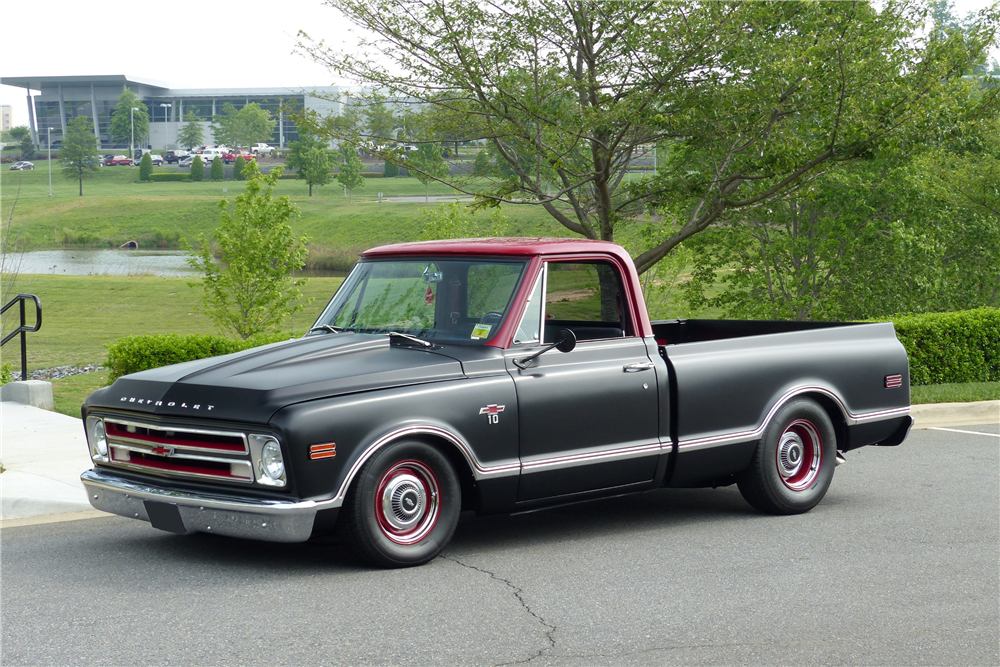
point(119, 262)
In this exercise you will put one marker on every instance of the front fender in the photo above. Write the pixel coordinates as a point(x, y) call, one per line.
point(361, 424)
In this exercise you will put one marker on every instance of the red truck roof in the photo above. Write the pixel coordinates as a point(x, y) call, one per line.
point(530, 247)
point(519, 246)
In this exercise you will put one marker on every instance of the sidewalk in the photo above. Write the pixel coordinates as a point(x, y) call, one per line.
point(45, 452)
point(43, 455)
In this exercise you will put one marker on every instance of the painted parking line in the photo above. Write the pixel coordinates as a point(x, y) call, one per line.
point(955, 430)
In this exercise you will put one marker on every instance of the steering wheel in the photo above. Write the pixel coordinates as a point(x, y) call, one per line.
point(491, 317)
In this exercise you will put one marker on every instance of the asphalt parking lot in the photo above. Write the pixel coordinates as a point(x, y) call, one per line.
point(899, 565)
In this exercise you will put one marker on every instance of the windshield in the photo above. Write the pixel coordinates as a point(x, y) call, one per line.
point(450, 299)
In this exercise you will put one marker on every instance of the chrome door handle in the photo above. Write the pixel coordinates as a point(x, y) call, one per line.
point(638, 366)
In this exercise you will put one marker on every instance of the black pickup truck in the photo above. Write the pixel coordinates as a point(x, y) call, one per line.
point(494, 375)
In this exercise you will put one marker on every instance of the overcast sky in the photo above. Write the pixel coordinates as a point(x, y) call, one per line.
point(182, 43)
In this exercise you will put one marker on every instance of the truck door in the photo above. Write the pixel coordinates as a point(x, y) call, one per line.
point(588, 419)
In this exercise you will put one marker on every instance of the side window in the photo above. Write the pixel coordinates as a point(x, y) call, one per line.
point(586, 297)
point(528, 330)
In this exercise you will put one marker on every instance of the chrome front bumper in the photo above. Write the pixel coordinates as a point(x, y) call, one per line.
point(251, 518)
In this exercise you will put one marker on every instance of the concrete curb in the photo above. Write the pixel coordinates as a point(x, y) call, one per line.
point(53, 518)
point(931, 415)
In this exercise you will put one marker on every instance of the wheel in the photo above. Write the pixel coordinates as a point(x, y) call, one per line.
point(403, 506)
point(792, 467)
point(491, 317)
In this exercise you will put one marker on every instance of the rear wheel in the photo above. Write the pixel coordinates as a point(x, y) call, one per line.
point(403, 506)
point(793, 466)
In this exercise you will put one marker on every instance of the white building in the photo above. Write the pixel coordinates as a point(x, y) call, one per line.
point(53, 101)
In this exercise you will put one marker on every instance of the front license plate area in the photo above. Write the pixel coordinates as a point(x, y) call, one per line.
point(164, 516)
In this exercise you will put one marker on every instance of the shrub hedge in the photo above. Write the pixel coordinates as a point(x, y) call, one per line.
point(132, 354)
point(952, 347)
point(176, 176)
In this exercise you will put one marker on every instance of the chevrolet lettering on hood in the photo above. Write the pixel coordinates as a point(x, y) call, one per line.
point(494, 375)
point(169, 404)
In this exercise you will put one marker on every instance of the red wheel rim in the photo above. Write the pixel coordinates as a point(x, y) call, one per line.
point(799, 455)
point(408, 502)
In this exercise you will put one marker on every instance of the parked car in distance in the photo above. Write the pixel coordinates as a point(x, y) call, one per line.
point(187, 161)
point(230, 158)
point(212, 153)
point(176, 155)
point(261, 149)
point(23, 165)
point(117, 160)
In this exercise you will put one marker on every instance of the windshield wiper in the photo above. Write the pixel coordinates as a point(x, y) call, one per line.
point(326, 327)
point(411, 337)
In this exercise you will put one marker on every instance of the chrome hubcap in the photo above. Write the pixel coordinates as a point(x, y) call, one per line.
point(799, 455)
point(408, 502)
point(403, 501)
point(789, 454)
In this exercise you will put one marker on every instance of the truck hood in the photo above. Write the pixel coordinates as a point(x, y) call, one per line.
point(250, 386)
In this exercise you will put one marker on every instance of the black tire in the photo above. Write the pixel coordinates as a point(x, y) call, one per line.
point(403, 506)
point(792, 467)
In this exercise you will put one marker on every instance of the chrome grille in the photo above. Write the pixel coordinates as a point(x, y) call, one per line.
point(179, 451)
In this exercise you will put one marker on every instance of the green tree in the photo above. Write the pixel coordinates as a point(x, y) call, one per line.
point(192, 132)
point(16, 134)
point(451, 221)
point(390, 170)
point(750, 99)
point(316, 167)
point(238, 166)
point(27, 148)
point(249, 290)
point(218, 172)
point(296, 150)
point(381, 123)
point(350, 169)
point(906, 231)
point(427, 165)
point(197, 169)
point(79, 154)
point(244, 127)
point(121, 128)
point(145, 167)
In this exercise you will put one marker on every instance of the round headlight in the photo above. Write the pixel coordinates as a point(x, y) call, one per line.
point(271, 461)
point(100, 438)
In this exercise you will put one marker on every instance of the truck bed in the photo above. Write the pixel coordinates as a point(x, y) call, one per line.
point(672, 332)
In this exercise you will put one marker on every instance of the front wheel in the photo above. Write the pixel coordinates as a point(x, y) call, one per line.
point(403, 506)
point(793, 466)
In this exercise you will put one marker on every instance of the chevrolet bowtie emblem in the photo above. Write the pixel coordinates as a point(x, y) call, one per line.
point(491, 409)
point(162, 451)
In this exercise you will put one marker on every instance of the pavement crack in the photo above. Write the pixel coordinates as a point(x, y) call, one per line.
point(550, 630)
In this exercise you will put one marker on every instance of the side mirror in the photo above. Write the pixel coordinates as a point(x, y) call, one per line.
point(565, 343)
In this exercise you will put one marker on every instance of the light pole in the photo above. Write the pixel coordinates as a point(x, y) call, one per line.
point(165, 107)
point(131, 147)
point(50, 161)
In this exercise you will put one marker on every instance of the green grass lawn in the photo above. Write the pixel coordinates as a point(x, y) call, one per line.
point(69, 393)
point(116, 208)
point(955, 393)
point(80, 314)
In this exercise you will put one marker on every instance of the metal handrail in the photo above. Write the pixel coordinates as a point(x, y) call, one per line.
point(23, 329)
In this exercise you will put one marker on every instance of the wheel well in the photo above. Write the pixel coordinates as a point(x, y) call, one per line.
point(834, 412)
point(470, 500)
